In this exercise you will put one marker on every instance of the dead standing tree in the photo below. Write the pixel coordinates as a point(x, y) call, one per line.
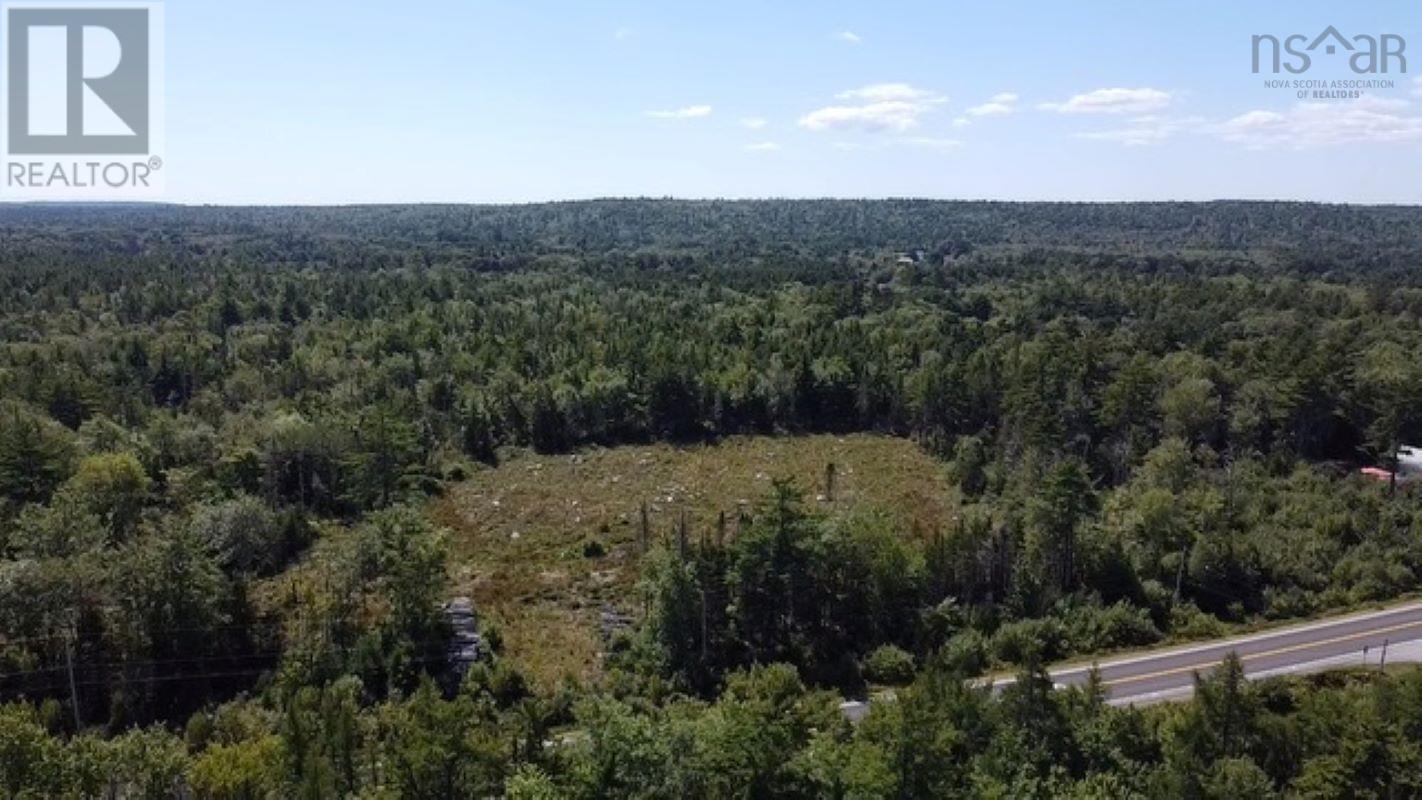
point(644, 531)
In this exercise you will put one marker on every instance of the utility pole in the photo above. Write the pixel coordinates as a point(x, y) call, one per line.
point(73, 687)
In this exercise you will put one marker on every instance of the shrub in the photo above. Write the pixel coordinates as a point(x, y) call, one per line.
point(499, 681)
point(1237, 777)
point(253, 768)
point(965, 654)
point(1030, 640)
point(531, 783)
point(246, 536)
point(889, 665)
point(1289, 603)
point(1189, 622)
point(1116, 626)
point(939, 623)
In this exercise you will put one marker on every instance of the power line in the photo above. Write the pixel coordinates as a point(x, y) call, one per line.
point(117, 667)
point(187, 676)
point(24, 672)
point(152, 662)
point(61, 636)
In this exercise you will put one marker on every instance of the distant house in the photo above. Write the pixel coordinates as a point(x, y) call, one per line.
point(1409, 466)
point(1409, 462)
point(909, 257)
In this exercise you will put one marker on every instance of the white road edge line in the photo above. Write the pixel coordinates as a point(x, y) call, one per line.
point(1257, 637)
point(1216, 644)
point(1304, 667)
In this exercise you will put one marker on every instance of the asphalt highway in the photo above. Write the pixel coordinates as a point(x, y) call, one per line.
point(1308, 647)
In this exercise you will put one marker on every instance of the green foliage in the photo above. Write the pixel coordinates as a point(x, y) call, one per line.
point(1150, 409)
point(253, 768)
point(1237, 777)
point(792, 587)
point(384, 463)
point(113, 487)
point(62, 529)
point(970, 461)
point(889, 665)
point(1030, 641)
point(436, 749)
point(765, 735)
point(1390, 380)
point(368, 606)
point(1095, 629)
point(246, 536)
point(31, 761)
point(36, 454)
point(531, 783)
point(411, 563)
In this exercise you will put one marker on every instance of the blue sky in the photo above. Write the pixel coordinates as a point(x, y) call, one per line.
point(478, 101)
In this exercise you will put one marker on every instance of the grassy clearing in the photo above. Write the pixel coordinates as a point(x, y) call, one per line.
point(526, 536)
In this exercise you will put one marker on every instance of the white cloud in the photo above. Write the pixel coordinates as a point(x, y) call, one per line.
point(999, 105)
point(1417, 87)
point(1112, 101)
point(688, 112)
point(961, 122)
point(1311, 125)
point(887, 142)
point(1304, 126)
point(895, 116)
point(881, 107)
point(891, 92)
point(1252, 126)
point(754, 123)
point(848, 37)
point(763, 147)
point(1146, 130)
point(622, 33)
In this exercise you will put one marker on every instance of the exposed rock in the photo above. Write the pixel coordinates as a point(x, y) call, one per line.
point(613, 621)
point(465, 646)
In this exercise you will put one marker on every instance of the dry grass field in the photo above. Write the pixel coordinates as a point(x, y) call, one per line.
point(545, 544)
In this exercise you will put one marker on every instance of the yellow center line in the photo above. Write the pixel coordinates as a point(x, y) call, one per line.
point(1265, 654)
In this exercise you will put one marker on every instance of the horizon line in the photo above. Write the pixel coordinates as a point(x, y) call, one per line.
point(686, 199)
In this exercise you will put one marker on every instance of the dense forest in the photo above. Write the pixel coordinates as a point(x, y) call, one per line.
point(220, 429)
